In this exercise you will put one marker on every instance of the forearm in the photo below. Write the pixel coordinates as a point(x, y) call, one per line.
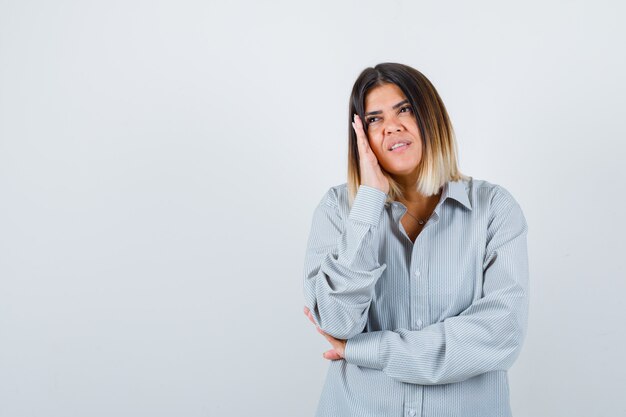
point(450, 351)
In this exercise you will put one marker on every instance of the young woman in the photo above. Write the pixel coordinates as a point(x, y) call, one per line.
point(416, 274)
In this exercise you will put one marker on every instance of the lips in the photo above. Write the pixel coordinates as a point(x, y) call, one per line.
point(392, 144)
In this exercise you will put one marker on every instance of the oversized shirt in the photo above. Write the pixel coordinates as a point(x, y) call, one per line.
point(432, 326)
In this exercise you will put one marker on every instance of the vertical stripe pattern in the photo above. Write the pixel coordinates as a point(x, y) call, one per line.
point(432, 326)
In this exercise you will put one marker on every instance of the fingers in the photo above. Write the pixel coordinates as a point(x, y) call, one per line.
point(320, 331)
point(331, 355)
point(308, 313)
point(361, 138)
point(334, 342)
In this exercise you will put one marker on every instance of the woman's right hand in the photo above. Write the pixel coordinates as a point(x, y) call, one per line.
point(371, 174)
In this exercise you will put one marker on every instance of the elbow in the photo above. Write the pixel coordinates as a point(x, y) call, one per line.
point(347, 333)
point(338, 324)
point(342, 324)
point(343, 329)
point(511, 347)
point(518, 343)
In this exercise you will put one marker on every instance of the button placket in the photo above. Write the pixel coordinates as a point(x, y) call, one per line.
point(417, 323)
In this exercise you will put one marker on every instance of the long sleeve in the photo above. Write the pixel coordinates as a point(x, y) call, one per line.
point(487, 336)
point(341, 263)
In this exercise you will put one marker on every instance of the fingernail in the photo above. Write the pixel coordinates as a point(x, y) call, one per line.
point(324, 355)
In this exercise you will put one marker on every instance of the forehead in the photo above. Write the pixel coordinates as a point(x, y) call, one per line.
point(383, 96)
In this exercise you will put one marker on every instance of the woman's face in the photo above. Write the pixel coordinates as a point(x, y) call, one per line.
point(390, 119)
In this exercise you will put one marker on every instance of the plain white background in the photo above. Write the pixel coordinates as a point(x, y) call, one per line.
point(160, 163)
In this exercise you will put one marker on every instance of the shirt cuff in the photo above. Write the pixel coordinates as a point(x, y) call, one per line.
point(363, 350)
point(368, 205)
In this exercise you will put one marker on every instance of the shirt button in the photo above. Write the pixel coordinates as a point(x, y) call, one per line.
point(412, 412)
point(417, 272)
point(418, 323)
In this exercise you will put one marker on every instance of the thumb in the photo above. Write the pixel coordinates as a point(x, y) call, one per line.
point(331, 354)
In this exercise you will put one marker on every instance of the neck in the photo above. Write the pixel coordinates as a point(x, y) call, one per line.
point(408, 185)
point(413, 197)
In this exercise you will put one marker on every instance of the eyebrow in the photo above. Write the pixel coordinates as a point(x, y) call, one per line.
point(394, 107)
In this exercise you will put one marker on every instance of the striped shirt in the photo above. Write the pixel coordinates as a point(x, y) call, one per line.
point(432, 326)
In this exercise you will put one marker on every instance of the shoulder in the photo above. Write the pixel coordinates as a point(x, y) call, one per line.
point(335, 201)
point(490, 195)
point(498, 204)
point(336, 195)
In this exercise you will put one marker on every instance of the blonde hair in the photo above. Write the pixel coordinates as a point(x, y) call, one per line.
point(438, 164)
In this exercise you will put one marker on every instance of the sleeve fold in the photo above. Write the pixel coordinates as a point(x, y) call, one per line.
point(341, 265)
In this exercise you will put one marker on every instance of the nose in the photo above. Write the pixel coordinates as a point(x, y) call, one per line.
point(392, 124)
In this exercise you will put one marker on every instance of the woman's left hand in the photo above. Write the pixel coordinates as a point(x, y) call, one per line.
point(339, 345)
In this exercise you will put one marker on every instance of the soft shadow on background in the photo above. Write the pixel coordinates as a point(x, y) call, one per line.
point(160, 163)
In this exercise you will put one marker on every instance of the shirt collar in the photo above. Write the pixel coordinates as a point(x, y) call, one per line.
point(458, 191)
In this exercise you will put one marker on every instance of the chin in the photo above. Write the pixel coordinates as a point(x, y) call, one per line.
point(401, 169)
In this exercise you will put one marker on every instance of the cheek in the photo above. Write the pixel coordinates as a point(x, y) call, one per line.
point(418, 147)
point(377, 148)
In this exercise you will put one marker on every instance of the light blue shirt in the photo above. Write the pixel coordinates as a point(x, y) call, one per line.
point(433, 326)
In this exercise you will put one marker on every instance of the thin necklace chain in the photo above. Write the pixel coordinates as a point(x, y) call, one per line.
point(420, 221)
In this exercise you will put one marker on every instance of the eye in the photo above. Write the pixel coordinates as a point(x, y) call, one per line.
point(404, 109)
